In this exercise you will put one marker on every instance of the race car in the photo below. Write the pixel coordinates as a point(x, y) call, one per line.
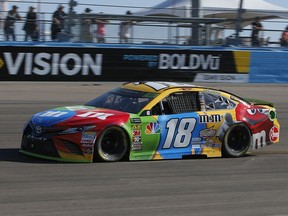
point(152, 121)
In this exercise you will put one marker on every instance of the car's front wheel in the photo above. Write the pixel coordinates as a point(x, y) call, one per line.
point(111, 145)
point(236, 141)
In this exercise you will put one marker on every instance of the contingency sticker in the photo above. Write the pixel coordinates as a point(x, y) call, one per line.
point(88, 137)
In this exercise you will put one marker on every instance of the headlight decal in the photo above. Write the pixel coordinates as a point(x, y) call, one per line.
point(77, 129)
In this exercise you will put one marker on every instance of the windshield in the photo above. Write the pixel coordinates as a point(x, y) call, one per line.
point(121, 99)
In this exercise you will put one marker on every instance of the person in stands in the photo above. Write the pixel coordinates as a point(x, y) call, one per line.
point(125, 29)
point(30, 25)
point(9, 24)
point(57, 22)
point(256, 28)
point(100, 29)
point(86, 27)
point(284, 38)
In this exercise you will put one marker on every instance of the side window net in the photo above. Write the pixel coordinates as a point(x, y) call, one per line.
point(183, 102)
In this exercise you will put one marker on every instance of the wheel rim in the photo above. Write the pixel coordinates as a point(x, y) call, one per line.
point(238, 138)
point(112, 144)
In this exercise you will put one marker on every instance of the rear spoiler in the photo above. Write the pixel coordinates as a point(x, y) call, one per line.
point(259, 102)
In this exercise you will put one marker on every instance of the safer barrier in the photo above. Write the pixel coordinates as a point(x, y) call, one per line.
point(269, 66)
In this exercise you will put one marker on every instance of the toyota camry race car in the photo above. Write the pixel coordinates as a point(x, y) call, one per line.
point(152, 121)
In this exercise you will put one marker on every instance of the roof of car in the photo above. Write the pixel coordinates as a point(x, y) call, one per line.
point(161, 86)
point(156, 86)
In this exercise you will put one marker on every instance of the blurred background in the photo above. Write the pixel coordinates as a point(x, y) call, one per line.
point(226, 22)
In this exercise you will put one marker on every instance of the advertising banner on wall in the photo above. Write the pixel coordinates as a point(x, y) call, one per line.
point(60, 63)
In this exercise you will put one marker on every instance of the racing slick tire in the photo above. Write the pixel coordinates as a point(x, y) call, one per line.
point(236, 141)
point(111, 145)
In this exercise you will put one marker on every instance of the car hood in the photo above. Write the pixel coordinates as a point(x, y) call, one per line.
point(78, 115)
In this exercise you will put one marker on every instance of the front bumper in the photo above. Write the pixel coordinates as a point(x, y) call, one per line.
point(54, 146)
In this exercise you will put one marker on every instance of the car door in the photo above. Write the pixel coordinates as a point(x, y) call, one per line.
point(178, 120)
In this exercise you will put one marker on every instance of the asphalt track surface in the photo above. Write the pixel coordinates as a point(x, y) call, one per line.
point(256, 184)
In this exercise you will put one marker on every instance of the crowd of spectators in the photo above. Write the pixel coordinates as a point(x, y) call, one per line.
point(93, 29)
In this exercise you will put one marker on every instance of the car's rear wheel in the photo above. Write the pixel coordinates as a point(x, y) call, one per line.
point(236, 141)
point(111, 145)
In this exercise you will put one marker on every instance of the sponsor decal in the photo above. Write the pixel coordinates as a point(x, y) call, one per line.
point(214, 145)
point(196, 139)
point(87, 145)
point(221, 77)
point(153, 128)
point(88, 137)
point(136, 127)
point(152, 60)
point(137, 146)
point(135, 120)
point(50, 117)
point(202, 143)
point(274, 133)
point(140, 57)
point(210, 118)
point(53, 114)
point(36, 138)
point(137, 143)
point(212, 142)
point(99, 115)
point(259, 139)
point(136, 139)
point(42, 63)
point(189, 62)
point(88, 150)
point(209, 132)
point(136, 133)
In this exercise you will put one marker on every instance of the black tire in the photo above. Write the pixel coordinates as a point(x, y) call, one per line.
point(236, 141)
point(111, 145)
